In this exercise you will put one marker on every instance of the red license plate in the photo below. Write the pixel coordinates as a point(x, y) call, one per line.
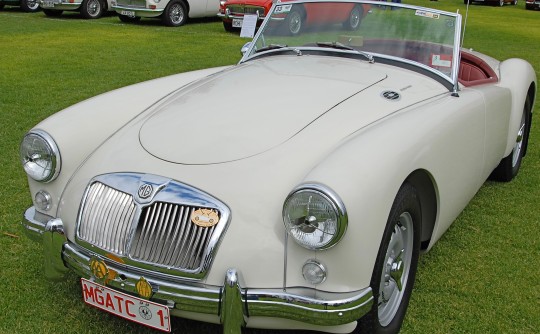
point(123, 305)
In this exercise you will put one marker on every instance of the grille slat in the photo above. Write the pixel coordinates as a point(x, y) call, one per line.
point(161, 233)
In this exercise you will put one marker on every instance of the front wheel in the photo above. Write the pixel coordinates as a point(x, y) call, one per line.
point(30, 6)
point(355, 18)
point(92, 9)
point(175, 14)
point(508, 168)
point(395, 267)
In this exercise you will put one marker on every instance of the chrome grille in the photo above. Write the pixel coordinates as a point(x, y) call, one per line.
point(106, 218)
point(166, 236)
point(155, 232)
point(241, 10)
point(132, 3)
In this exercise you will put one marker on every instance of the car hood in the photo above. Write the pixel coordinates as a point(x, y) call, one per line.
point(251, 108)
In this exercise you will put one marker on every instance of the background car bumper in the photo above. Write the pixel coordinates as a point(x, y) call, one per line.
point(232, 302)
point(60, 5)
point(138, 12)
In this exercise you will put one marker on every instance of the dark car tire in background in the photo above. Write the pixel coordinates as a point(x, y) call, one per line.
point(30, 6)
point(295, 21)
point(355, 18)
point(53, 12)
point(395, 267)
point(228, 26)
point(175, 14)
point(92, 9)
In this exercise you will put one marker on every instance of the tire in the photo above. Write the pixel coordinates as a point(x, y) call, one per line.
point(53, 12)
point(509, 166)
point(501, 3)
point(228, 26)
point(355, 18)
point(395, 267)
point(30, 6)
point(175, 14)
point(92, 9)
point(294, 21)
point(529, 7)
point(514, 3)
point(129, 19)
point(1, 6)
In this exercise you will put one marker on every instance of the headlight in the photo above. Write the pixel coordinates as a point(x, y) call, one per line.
point(314, 216)
point(40, 156)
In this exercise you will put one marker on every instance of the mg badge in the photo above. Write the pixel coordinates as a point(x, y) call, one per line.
point(144, 289)
point(145, 191)
point(205, 217)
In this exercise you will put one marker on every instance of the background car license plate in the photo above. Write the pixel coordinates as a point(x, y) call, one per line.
point(128, 13)
point(132, 308)
point(47, 4)
point(237, 23)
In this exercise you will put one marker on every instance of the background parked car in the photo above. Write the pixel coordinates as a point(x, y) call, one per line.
point(173, 13)
point(493, 2)
point(90, 9)
point(29, 6)
point(232, 11)
point(532, 4)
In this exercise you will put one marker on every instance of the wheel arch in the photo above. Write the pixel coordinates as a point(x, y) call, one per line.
point(518, 76)
point(422, 180)
point(531, 97)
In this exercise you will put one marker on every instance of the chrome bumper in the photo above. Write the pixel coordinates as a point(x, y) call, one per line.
point(232, 16)
point(60, 5)
point(232, 302)
point(139, 12)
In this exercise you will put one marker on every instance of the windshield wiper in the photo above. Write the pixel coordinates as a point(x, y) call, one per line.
point(271, 47)
point(341, 46)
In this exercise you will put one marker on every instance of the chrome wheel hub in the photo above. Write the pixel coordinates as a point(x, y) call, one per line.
point(519, 142)
point(396, 269)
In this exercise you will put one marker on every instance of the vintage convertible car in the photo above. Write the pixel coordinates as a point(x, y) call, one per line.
point(89, 9)
point(28, 6)
point(302, 203)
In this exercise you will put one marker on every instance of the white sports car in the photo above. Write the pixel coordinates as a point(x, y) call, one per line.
point(293, 190)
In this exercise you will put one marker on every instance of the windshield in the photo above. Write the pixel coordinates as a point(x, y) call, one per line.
point(373, 30)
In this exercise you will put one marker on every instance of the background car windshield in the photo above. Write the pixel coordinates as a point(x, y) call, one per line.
point(416, 34)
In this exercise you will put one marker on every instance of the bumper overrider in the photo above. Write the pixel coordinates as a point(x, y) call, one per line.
point(232, 302)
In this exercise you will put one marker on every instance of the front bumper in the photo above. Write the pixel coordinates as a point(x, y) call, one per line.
point(232, 303)
point(137, 11)
point(60, 4)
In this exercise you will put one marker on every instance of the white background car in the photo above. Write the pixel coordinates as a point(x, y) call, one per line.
point(172, 13)
point(368, 147)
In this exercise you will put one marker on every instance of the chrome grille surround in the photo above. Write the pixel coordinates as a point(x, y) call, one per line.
point(145, 221)
point(245, 9)
point(132, 3)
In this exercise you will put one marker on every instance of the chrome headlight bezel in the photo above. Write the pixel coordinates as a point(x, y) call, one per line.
point(336, 224)
point(38, 144)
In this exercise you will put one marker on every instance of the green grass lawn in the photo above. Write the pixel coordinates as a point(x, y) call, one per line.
point(481, 277)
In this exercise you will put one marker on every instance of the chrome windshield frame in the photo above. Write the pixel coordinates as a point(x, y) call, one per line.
point(451, 80)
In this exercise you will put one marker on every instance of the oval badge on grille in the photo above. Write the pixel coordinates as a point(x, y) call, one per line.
point(391, 95)
point(205, 217)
